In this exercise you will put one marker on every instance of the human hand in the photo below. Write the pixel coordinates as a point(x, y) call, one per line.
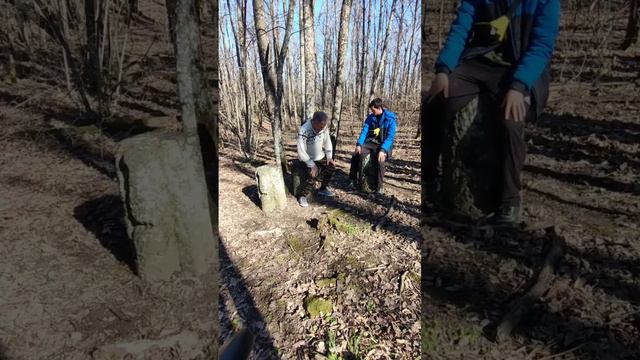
point(439, 84)
point(314, 171)
point(514, 106)
point(382, 156)
point(358, 149)
point(331, 163)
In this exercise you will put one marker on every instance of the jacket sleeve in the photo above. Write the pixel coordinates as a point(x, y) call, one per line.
point(302, 150)
point(458, 35)
point(328, 146)
point(543, 37)
point(363, 132)
point(391, 134)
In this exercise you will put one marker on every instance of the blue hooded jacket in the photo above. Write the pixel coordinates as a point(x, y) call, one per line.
point(529, 43)
point(387, 127)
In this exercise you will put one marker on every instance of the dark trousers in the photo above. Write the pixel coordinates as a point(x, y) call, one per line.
point(465, 83)
point(357, 165)
point(325, 172)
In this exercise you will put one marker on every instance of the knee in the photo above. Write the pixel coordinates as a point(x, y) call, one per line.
point(513, 128)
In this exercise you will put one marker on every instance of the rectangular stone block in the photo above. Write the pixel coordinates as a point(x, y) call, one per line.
point(167, 212)
point(271, 188)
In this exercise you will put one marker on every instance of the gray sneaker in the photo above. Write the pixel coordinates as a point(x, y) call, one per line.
point(324, 191)
point(507, 215)
point(303, 201)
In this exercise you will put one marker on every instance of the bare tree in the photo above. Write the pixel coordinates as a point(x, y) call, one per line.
point(379, 64)
point(93, 33)
point(273, 80)
point(633, 25)
point(240, 36)
point(309, 58)
point(342, 46)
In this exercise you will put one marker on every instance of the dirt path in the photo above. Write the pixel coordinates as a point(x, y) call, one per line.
point(67, 291)
point(582, 175)
point(271, 265)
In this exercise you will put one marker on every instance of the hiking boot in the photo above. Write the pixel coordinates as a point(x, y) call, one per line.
point(507, 215)
point(302, 200)
point(324, 191)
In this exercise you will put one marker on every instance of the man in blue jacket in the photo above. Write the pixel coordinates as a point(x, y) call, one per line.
point(503, 48)
point(376, 137)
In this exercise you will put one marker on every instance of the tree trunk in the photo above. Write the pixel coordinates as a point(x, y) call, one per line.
point(410, 51)
point(342, 47)
point(64, 17)
point(273, 80)
point(133, 6)
point(171, 17)
point(302, 68)
point(385, 43)
point(633, 25)
point(93, 29)
point(396, 57)
point(363, 59)
point(189, 68)
point(240, 36)
point(309, 58)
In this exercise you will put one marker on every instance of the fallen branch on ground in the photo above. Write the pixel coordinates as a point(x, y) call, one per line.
point(540, 284)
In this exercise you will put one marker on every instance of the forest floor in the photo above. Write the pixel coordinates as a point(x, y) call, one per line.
point(582, 175)
point(271, 265)
point(67, 291)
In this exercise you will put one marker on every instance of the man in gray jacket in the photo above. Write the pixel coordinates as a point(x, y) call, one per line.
point(315, 155)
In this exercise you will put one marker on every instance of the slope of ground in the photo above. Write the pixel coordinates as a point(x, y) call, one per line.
point(66, 290)
point(582, 175)
point(270, 265)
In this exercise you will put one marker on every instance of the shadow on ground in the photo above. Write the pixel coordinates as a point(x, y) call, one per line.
point(104, 217)
point(475, 293)
point(251, 317)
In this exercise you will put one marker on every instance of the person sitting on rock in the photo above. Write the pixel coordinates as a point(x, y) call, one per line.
point(501, 48)
point(376, 138)
point(315, 153)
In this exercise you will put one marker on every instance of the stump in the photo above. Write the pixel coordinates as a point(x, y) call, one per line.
point(271, 188)
point(168, 218)
point(471, 161)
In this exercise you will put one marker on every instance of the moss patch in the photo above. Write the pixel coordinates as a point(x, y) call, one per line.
point(295, 245)
point(316, 306)
point(454, 333)
point(332, 281)
point(343, 222)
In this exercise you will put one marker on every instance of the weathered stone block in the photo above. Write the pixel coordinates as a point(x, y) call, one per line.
point(166, 201)
point(271, 188)
point(471, 161)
